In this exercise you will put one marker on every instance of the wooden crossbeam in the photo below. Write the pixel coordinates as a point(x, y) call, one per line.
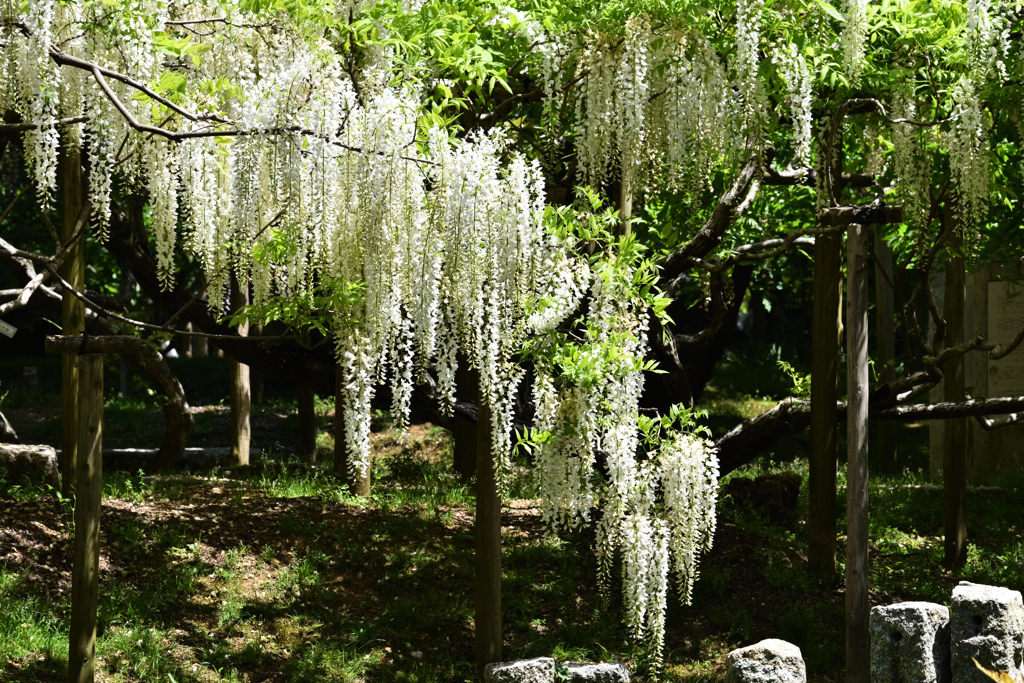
point(863, 214)
point(125, 344)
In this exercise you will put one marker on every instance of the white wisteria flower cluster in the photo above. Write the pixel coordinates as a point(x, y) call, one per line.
point(794, 71)
point(658, 497)
point(968, 154)
point(911, 165)
point(294, 178)
point(661, 108)
point(854, 38)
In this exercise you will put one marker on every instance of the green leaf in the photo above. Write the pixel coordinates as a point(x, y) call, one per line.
point(830, 10)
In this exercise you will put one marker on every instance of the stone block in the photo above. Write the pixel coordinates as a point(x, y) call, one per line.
point(38, 463)
point(539, 670)
point(987, 625)
point(770, 661)
point(910, 642)
point(598, 673)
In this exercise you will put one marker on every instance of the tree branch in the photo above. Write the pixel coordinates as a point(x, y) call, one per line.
point(731, 205)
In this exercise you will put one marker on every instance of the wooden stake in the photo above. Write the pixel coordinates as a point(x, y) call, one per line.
point(857, 640)
point(626, 203)
point(467, 383)
point(886, 335)
point(954, 447)
point(357, 486)
point(88, 494)
point(487, 529)
point(307, 421)
point(69, 163)
point(240, 397)
point(826, 336)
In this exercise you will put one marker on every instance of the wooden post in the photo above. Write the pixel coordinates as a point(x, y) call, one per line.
point(826, 336)
point(487, 531)
point(240, 402)
point(88, 493)
point(467, 383)
point(886, 336)
point(307, 421)
point(357, 485)
point(69, 163)
point(954, 447)
point(857, 667)
point(306, 409)
point(626, 202)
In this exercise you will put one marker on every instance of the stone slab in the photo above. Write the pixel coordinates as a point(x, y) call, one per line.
point(598, 673)
point(910, 642)
point(770, 661)
point(988, 625)
point(539, 670)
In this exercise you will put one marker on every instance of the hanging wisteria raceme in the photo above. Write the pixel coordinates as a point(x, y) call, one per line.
point(854, 38)
point(793, 68)
point(748, 78)
point(988, 36)
point(911, 165)
point(595, 414)
point(305, 172)
point(697, 114)
point(39, 98)
point(968, 155)
point(667, 103)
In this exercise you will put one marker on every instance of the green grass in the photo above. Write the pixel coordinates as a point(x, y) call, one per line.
point(281, 572)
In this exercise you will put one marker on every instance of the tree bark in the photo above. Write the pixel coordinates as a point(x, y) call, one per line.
point(487, 530)
point(954, 455)
point(826, 336)
point(857, 639)
point(72, 194)
point(358, 485)
point(464, 438)
point(240, 402)
point(177, 416)
point(886, 336)
point(88, 493)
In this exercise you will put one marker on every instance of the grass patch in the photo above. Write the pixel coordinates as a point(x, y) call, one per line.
point(280, 573)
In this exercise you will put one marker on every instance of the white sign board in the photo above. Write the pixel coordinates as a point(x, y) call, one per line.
point(1005, 318)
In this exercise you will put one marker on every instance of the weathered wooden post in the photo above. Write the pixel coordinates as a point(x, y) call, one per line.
point(954, 446)
point(885, 334)
point(88, 494)
point(855, 218)
point(857, 609)
point(240, 396)
point(487, 533)
point(69, 163)
point(467, 382)
point(826, 337)
point(826, 341)
point(85, 571)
